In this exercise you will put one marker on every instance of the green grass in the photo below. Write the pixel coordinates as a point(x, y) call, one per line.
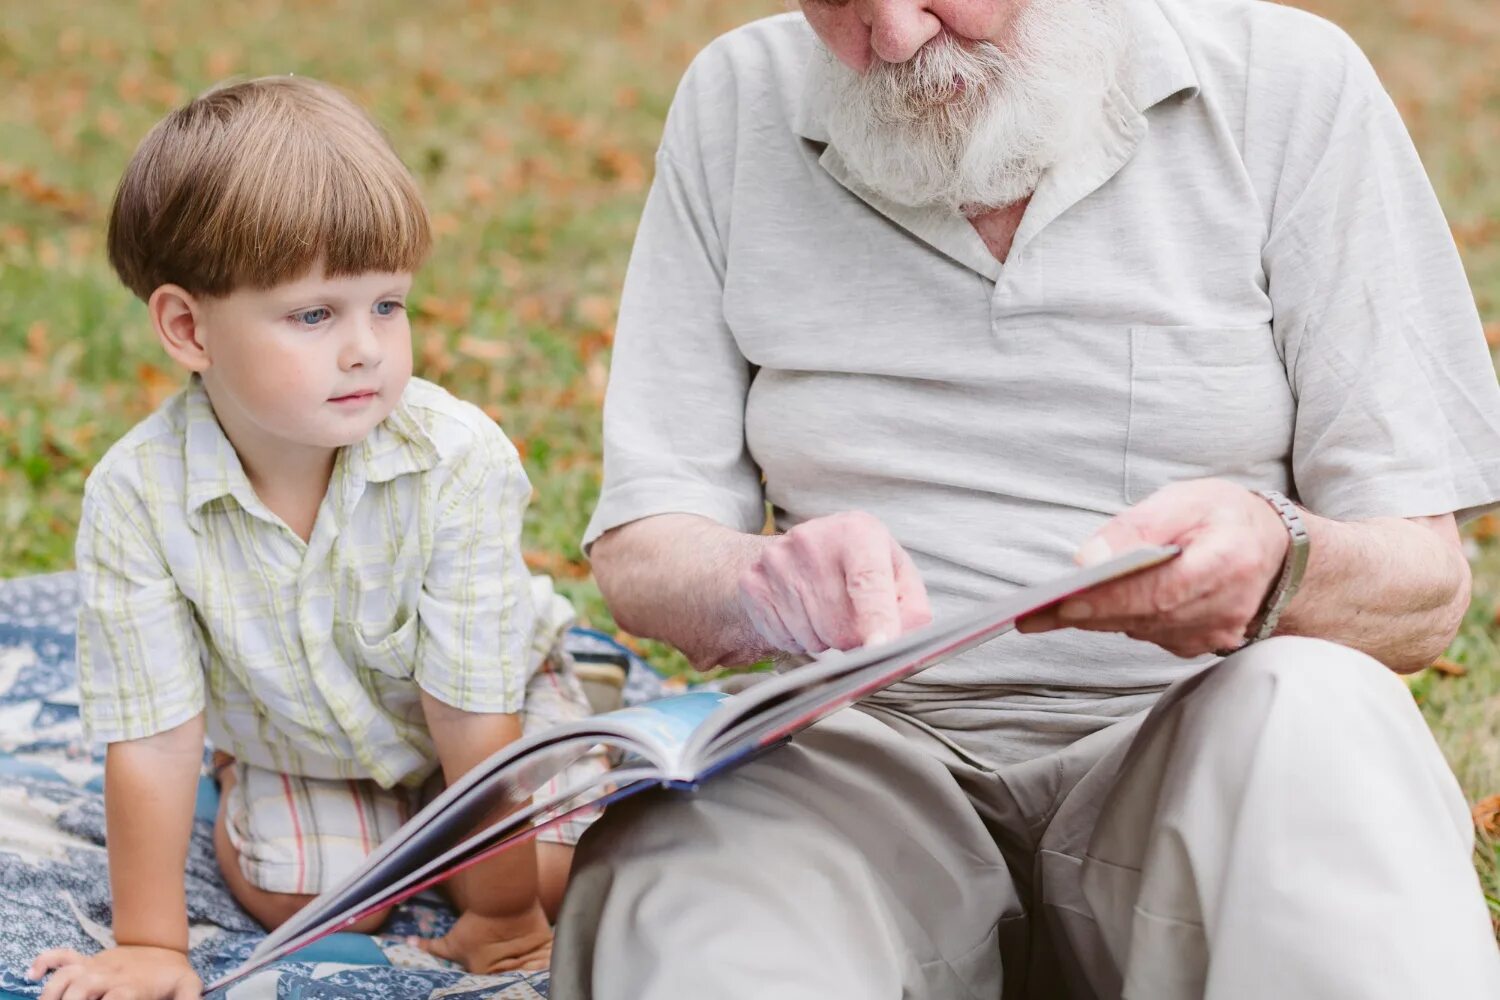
point(531, 126)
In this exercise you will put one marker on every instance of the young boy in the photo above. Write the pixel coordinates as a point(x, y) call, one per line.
point(307, 555)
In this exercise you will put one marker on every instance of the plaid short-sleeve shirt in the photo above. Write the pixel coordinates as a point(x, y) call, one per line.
point(307, 657)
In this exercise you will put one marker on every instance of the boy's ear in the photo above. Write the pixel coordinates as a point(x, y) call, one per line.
point(178, 317)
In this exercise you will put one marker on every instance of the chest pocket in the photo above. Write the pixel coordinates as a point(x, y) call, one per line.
point(1207, 401)
point(393, 654)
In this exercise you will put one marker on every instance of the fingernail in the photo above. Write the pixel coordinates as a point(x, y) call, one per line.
point(1075, 610)
point(1093, 552)
point(876, 638)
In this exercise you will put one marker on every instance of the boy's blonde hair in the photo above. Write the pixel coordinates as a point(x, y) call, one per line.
point(250, 184)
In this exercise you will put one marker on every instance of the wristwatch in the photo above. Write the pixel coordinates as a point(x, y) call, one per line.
point(1264, 623)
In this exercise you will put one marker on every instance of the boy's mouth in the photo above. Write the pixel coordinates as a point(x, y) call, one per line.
point(355, 398)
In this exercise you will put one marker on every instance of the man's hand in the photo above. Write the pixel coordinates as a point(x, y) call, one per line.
point(123, 973)
point(488, 944)
point(834, 582)
point(1233, 545)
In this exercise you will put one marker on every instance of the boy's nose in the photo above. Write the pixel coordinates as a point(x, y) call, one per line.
point(361, 349)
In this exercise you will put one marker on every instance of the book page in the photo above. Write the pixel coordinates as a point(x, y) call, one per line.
point(775, 709)
point(655, 732)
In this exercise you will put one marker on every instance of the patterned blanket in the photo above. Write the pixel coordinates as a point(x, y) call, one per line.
point(54, 888)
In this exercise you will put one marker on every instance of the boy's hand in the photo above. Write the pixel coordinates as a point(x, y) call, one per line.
point(488, 944)
point(123, 973)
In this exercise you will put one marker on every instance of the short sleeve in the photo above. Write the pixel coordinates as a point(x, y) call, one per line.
point(1398, 411)
point(674, 412)
point(140, 661)
point(475, 616)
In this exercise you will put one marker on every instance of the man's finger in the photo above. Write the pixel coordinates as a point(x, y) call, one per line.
point(792, 611)
point(759, 604)
point(911, 593)
point(870, 582)
point(1163, 518)
point(1193, 575)
point(1038, 621)
point(768, 623)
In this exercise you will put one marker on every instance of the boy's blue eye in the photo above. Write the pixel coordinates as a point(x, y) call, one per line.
point(388, 308)
point(312, 317)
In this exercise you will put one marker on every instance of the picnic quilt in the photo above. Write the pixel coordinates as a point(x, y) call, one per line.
point(54, 885)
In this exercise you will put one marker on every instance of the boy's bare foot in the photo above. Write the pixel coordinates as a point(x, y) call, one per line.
point(486, 944)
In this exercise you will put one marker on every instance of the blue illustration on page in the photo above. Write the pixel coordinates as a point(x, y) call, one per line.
point(670, 721)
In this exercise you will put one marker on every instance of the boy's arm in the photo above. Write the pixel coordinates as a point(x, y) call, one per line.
point(140, 674)
point(150, 786)
point(476, 626)
point(501, 893)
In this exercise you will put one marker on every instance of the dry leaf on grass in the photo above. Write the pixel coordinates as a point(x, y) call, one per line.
point(1487, 815)
point(1448, 668)
point(557, 566)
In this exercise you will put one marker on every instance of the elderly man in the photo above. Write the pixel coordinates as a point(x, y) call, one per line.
point(966, 289)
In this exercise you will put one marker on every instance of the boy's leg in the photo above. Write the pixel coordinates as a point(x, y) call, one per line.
point(847, 864)
point(282, 839)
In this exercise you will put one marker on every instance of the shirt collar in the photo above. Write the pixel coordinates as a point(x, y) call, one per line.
point(210, 465)
point(1156, 66)
point(397, 446)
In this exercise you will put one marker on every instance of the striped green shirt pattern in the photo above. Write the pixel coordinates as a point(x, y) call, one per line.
point(307, 657)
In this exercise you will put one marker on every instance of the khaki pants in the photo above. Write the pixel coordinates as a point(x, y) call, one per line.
point(1280, 826)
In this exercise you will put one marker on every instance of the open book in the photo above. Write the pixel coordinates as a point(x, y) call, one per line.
point(679, 741)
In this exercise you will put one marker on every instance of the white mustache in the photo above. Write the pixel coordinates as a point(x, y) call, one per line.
point(945, 76)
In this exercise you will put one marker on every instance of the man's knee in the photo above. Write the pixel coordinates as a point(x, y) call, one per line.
point(634, 827)
point(852, 860)
point(1314, 714)
point(1314, 676)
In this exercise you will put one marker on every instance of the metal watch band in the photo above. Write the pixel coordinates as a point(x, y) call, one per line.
point(1292, 567)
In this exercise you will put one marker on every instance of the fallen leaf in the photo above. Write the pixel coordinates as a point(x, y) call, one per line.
point(479, 189)
point(156, 384)
point(629, 641)
point(1449, 668)
point(108, 122)
point(1487, 815)
point(220, 63)
point(596, 310)
point(30, 187)
point(454, 312)
point(483, 350)
point(529, 309)
point(612, 163)
point(556, 566)
point(36, 340)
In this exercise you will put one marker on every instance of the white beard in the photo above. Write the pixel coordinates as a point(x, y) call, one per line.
point(972, 126)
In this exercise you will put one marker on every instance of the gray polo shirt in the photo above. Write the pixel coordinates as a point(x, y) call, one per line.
point(1246, 275)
